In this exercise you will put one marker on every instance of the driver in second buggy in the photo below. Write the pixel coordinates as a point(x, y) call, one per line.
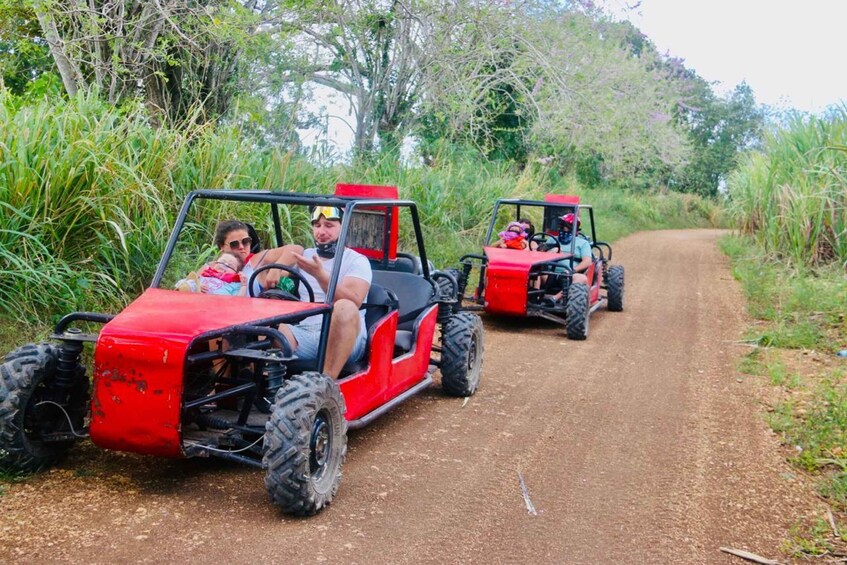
point(582, 255)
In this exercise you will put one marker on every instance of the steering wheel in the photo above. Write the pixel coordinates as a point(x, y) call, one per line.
point(545, 242)
point(278, 293)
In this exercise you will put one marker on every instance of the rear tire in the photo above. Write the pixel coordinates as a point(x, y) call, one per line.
point(305, 444)
point(576, 312)
point(26, 380)
point(461, 354)
point(614, 288)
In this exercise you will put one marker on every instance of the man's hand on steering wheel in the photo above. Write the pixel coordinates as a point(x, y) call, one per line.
point(545, 242)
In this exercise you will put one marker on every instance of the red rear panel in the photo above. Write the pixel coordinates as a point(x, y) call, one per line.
point(372, 227)
point(139, 363)
point(367, 191)
point(561, 198)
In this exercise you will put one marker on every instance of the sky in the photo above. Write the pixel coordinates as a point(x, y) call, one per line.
point(790, 53)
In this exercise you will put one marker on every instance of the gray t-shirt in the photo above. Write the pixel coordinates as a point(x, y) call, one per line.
point(353, 264)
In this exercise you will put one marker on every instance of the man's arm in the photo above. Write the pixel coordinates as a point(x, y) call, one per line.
point(353, 289)
point(350, 287)
point(586, 256)
point(583, 264)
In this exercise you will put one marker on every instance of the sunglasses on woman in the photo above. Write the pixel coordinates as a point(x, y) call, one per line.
point(236, 244)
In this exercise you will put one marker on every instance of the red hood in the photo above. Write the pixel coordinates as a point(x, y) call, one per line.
point(515, 258)
point(139, 363)
point(182, 316)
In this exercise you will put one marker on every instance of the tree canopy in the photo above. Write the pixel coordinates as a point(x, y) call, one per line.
point(532, 80)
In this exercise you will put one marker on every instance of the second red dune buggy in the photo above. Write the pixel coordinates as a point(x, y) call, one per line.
point(179, 374)
point(538, 279)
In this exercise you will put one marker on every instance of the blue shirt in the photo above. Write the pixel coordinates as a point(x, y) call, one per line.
point(582, 249)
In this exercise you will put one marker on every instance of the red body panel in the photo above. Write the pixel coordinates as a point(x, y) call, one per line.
point(411, 368)
point(507, 276)
point(385, 377)
point(594, 289)
point(139, 363)
point(363, 392)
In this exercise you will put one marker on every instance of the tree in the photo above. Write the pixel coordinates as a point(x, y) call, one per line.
point(24, 55)
point(579, 92)
point(371, 51)
point(719, 130)
point(180, 56)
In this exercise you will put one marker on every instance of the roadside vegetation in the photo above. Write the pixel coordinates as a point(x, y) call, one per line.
point(93, 194)
point(789, 200)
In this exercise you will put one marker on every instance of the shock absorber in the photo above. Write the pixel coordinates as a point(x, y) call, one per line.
point(66, 368)
point(274, 374)
point(463, 278)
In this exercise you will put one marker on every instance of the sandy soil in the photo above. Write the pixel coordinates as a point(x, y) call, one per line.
point(642, 444)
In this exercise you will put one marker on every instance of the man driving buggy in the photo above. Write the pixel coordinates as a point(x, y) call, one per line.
point(347, 331)
point(582, 255)
point(582, 250)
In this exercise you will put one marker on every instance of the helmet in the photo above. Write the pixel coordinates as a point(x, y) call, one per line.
point(568, 219)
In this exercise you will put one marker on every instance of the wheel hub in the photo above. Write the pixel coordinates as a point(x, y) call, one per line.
point(319, 444)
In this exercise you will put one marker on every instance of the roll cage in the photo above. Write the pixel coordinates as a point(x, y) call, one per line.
point(354, 207)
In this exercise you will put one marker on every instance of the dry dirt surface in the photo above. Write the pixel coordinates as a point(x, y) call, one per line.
point(642, 444)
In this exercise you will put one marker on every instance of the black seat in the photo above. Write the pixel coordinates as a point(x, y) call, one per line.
point(407, 263)
point(414, 294)
point(379, 303)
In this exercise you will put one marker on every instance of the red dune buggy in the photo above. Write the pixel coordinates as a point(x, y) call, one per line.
point(178, 374)
point(538, 279)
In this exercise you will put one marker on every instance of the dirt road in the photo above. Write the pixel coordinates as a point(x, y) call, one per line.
point(641, 445)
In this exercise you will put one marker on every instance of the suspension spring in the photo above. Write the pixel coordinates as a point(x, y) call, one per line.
point(463, 278)
point(274, 374)
point(66, 369)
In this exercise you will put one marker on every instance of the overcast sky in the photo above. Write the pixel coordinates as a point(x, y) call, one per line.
point(790, 53)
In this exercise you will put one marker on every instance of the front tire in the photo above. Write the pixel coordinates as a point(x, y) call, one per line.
point(305, 444)
point(461, 354)
point(576, 312)
point(29, 414)
point(614, 288)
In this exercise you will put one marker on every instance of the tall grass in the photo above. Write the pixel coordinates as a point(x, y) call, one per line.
point(791, 195)
point(88, 196)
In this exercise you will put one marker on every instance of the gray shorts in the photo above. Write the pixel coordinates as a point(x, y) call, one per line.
point(308, 338)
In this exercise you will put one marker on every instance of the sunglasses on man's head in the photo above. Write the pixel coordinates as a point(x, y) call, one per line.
point(236, 244)
point(328, 212)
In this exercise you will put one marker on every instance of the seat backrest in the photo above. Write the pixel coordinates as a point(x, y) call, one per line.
point(414, 294)
point(378, 303)
point(407, 264)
